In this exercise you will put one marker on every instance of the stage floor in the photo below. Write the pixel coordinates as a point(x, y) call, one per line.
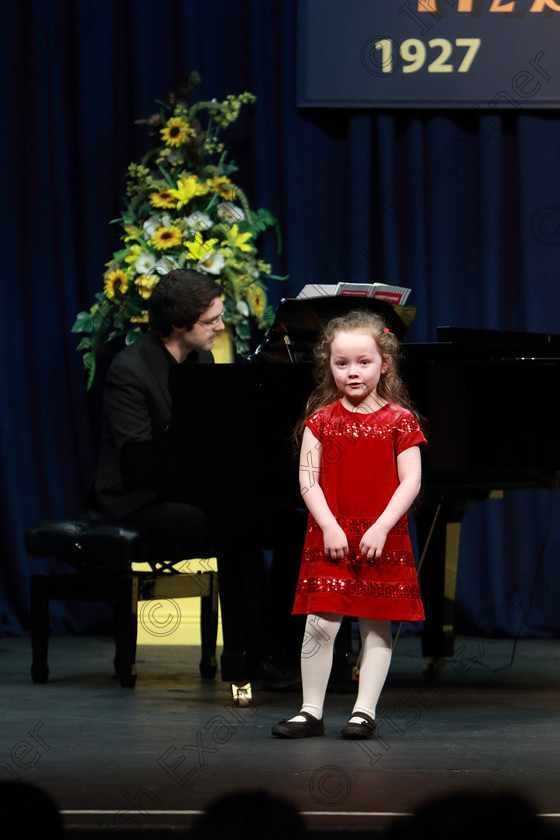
point(151, 757)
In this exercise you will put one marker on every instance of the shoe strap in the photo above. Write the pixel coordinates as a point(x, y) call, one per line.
point(309, 718)
point(366, 719)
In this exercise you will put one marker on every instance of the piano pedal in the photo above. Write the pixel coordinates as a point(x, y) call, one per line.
point(242, 694)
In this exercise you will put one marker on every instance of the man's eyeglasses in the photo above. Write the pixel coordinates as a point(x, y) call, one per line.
point(213, 323)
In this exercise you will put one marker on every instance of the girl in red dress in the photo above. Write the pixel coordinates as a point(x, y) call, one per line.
point(360, 471)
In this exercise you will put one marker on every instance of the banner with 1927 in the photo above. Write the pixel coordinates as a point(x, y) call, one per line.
point(484, 54)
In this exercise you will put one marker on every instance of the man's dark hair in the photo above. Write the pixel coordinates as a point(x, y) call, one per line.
point(179, 299)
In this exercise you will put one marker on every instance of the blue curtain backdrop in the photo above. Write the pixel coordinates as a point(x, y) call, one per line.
point(462, 206)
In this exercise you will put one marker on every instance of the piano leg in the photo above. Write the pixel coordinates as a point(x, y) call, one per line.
point(439, 530)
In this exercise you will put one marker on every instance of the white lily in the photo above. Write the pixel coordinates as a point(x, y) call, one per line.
point(145, 264)
point(165, 264)
point(198, 221)
point(229, 212)
point(212, 264)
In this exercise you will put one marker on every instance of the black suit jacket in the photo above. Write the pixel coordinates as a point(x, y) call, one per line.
point(134, 461)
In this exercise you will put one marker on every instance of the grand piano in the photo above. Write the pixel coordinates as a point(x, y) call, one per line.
point(469, 384)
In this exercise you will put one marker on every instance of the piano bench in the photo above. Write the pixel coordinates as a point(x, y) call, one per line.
point(101, 556)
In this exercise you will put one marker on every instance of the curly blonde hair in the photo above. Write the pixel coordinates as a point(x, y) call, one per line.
point(390, 386)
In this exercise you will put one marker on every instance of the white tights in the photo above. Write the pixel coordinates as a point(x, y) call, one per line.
point(317, 657)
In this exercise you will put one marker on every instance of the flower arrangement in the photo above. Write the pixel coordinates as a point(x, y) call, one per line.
point(183, 211)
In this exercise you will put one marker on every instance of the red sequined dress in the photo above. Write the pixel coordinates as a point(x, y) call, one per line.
point(358, 476)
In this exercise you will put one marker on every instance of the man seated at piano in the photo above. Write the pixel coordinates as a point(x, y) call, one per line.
point(140, 482)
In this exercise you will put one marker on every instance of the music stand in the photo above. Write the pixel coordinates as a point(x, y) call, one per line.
point(300, 321)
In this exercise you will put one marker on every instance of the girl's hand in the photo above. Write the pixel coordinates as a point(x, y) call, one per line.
point(372, 542)
point(336, 544)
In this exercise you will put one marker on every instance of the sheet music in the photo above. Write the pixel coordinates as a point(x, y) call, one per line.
point(314, 290)
point(392, 294)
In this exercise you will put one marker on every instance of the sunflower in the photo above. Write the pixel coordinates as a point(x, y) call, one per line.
point(222, 185)
point(145, 284)
point(115, 281)
point(162, 198)
point(166, 237)
point(176, 132)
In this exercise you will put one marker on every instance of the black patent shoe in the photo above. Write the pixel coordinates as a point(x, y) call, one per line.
point(299, 729)
point(359, 731)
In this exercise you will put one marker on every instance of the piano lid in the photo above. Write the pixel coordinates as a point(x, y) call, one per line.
point(464, 344)
point(299, 322)
point(518, 341)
